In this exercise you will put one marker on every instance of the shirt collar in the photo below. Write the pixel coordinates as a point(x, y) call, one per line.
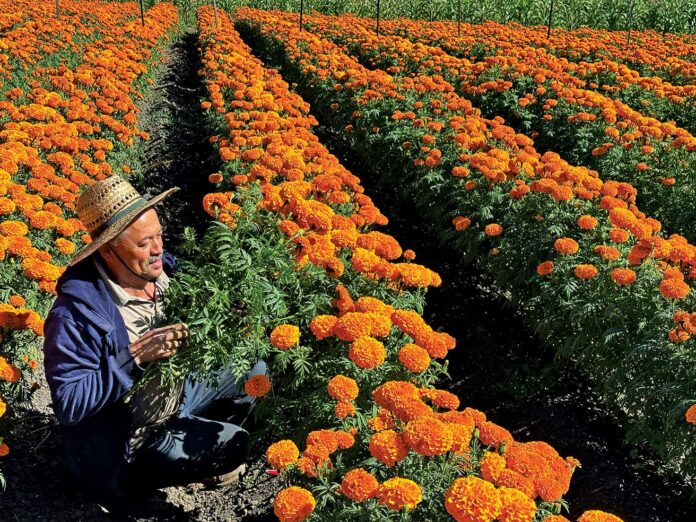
point(118, 294)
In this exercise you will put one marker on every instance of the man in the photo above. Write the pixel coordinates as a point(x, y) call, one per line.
point(104, 328)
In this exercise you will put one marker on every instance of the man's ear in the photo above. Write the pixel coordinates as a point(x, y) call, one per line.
point(105, 251)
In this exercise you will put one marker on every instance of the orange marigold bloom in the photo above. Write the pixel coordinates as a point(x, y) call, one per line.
point(342, 388)
point(343, 410)
point(494, 229)
point(409, 255)
point(384, 420)
point(257, 386)
point(622, 217)
point(294, 504)
point(367, 352)
point(285, 336)
point(352, 326)
point(690, 414)
point(13, 229)
point(359, 485)
point(64, 246)
point(545, 268)
point(587, 222)
point(398, 493)
point(618, 235)
point(8, 371)
point(461, 223)
point(443, 399)
point(414, 358)
point(4, 449)
point(566, 246)
point(322, 326)
point(598, 516)
point(492, 434)
point(517, 507)
point(623, 276)
point(471, 499)
point(388, 447)
point(556, 518)
point(586, 271)
point(674, 288)
point(608, 253)
point(428, 436)
point(373, 305)
point(282, 454)
point(17, 301)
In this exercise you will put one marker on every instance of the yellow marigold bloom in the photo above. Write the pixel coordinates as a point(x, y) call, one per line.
point(586, 271)
point(367, 352)
point(428, 436)
point(388, 447)
point(285, 336)
point(257, 386)
point(359, 485)
point(322, 326)
point(343, 389)
point(566, 246)
point(598, 516)
point(517, 507)
point(471, 499)
point(282, 454)
point(294, 504)
point(398, 493)
point(690, 415)
point(414, 358)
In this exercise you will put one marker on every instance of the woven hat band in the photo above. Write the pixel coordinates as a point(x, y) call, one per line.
point(139, 202)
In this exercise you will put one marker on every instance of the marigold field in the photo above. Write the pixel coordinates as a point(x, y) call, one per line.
point(563, 168)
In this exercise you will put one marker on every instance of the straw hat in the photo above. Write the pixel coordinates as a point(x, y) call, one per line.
point(107, 208)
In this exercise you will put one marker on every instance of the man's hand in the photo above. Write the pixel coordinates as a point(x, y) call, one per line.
point(159, 343)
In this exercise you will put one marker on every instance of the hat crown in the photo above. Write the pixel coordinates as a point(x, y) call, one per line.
point(103, 200)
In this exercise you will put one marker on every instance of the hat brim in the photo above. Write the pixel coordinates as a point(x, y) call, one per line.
point(119, 226)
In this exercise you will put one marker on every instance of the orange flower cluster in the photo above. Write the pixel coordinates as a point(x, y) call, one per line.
point(322, 207)
point(359, 485)
point(294, 504)
point(257, 386)
point(285, 336)
point(282, 454)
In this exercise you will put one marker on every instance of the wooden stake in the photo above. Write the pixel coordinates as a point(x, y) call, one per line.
point(57, 9)
point(459, 18)
point(377, 17)
point(301, 13)
point(630, 21)
point(142, 13)
point(215, 11)
point(548, 33)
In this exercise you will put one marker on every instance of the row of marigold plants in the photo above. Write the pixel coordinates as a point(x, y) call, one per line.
point(61, 129)
point(349, 353)
point(581, 125)
point(593, 274)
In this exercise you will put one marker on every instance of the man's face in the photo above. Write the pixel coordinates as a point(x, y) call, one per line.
point(140, 246)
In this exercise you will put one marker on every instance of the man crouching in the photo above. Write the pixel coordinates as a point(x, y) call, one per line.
point(104, 328)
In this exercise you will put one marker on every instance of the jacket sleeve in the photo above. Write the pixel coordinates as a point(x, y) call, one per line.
point(83, 373)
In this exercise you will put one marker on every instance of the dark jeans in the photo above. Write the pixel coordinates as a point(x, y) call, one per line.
point(203, 439)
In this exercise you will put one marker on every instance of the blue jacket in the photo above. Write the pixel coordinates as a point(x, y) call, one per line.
point(89, 369)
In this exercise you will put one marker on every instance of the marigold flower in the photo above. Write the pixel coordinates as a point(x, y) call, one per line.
point(342, 388)
point(64, 246)
point(674, 288)
point(343, 410)
point(414, 358)
point(285, 336)
point(352, 326)
point(8, 371)
point(471, 499)
point(690, 414)
point(384, 420)
point(13, 229)
point(257, 386)
point(3, 407)
point(443, 399)
point(461, 223)
point(517, 507)
point(388, 447)
point(359, 485)
point(409, 255)
point(398, 493)
point(428, 436)
point(322, 326)
point(598, 516)
point(493, 230)
point(282, 454)
point(4, 449)
point(586, 271)
point(618, 235)
point(623, 276)
point(367, 352)
point(587, 222)
point(545, 268)
point(566, 246)
point(294, 504)
point(492, 434)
